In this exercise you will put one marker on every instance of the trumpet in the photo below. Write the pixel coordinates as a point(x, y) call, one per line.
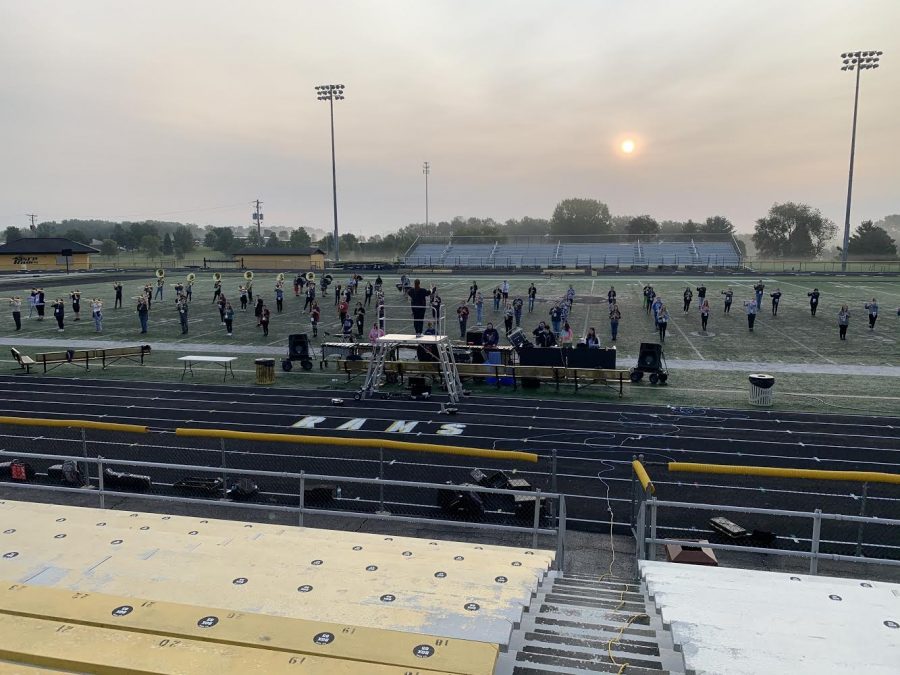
point(280, 277)
point(217, 276)
point(248, 275)
point(310, 277)
point(190, 277)
point(160, 273)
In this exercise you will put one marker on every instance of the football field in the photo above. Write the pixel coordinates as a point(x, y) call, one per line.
point(707, 368)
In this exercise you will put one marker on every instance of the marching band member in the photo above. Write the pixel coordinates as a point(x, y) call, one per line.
point(250, 290)
point(76, 303)
point(117, 287)
point(776, 299)
point(517, 305)
point(704, 314)
point(532, 295)
point(843, 322)
point(182, 307)
point(375, 333)
point(217, 289)
point(758, 289)
point(229, 318)
point(160, 282)
point(688, 296)
point(279, 297)
point(369, 291)
point(473, 290)
point(873, 313)
point(462, 316)
point(243, 293)
point(189, 290)
point(264, 319)
point(39, 303)
point(751, 308)
point(15, 304)
point(59, 312)
point(32, 302)
point(179, 290)
point(310, 296)
point(813, 300)
point(314, 315)
point(258, 311)
point(729, 298)
point(615, 315)
point(479, 308)
point(97, 314)
point(143, 312)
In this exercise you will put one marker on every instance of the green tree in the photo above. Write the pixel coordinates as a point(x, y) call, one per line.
point(109, 247)
point(793, 230)
point(221, 239)
point(77, 235)
point(580, 217)
point(254, 238)
point(13, 233)
point(642, 225)
point(300, 238)
point(44, 230)
point(272, 241)
point(182, 241)
point(349, 242)
point(690, 227)
point(871, 241)
point(167, 247)
point(717, 225)
point(150, 245)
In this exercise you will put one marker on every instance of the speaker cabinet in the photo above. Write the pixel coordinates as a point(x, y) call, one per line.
point(475, 337)
point(298, 346)
point(650, 356)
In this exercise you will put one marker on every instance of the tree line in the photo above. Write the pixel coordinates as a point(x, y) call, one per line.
point(788, 230)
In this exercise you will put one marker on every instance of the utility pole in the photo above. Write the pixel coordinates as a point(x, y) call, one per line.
point(32, 216)
point(426, 169)
point(258, 218)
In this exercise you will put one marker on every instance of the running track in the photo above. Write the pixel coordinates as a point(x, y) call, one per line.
point(594, 442)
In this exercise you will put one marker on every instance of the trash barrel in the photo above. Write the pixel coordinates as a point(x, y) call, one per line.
point(265, 371)
point(761, 389)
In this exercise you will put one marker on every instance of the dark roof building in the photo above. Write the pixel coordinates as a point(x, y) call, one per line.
point(36, 245)
point(280, 251)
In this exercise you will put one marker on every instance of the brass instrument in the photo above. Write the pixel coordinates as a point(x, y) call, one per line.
point(248, 275)
point(190, 277)
point(311, 277)
point(160, 273)
point(217, 276)
point(280, 277)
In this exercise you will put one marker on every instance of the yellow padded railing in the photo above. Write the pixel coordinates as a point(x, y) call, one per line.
point(643, 476)
point(77, 424)
point(776, 472)
point(359, 443)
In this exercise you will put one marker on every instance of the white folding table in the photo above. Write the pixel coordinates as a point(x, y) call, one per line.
point(224, 361)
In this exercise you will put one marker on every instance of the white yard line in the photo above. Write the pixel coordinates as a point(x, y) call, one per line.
point(796, 342)
point(687, 339)
point(587, 314)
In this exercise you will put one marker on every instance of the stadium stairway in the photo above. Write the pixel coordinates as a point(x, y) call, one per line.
point(582, 624)
point(397, 604)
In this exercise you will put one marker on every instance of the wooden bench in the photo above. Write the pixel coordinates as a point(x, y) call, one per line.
point(25, 362)
point(83, 357)
point(579, 377)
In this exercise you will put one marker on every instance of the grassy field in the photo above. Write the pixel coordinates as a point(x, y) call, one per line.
point(793, 337)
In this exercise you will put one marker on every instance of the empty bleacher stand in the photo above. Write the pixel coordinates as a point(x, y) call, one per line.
point(624, 254)
point(394, 603)
point(740, 621)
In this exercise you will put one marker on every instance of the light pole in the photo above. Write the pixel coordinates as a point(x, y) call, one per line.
point(426, 169)
point(857, 61)
point(332, 93)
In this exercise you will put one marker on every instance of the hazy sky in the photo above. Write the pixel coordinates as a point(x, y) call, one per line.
point(188, 110)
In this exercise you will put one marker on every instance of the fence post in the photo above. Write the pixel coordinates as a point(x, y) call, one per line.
point(536, 522)
point(87, 466)
point(222, 464)
point(553, 484)
point(639, 535)
point(381, 510)
point(302, 497)
point(100, 479)
point(631, 520)
point(816, 534)
point(651, 549)
point(862, 512)
point(561, 535)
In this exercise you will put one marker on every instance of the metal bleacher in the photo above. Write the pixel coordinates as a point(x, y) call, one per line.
point(623, 254)
point(93, 590)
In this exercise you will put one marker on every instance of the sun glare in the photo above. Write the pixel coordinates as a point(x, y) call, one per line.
point(628, 146)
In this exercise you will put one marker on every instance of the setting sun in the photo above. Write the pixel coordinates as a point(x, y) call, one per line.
point(628, 146)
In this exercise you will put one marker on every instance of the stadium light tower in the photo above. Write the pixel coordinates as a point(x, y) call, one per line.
point(857, 61)
point(332, 93)
point(426, 169)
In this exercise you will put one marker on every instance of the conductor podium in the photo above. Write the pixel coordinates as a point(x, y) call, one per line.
point(438, 345)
